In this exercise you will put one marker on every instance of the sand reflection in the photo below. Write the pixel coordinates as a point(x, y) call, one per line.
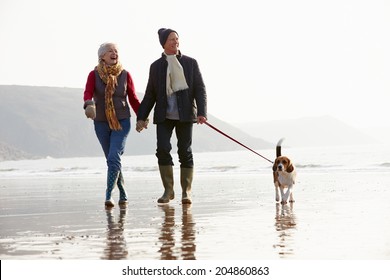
point(116, 247)
point(285, 224)
point(185, 247)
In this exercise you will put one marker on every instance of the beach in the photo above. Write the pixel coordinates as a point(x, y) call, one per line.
point(53, 209)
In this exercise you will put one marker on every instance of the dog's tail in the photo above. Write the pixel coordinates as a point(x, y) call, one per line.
point(279, 148)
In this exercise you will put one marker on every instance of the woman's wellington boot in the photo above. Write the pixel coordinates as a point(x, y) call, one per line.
point(122, 191)
point(112, 178)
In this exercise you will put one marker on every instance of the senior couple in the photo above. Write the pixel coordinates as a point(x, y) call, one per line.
point(177, 92)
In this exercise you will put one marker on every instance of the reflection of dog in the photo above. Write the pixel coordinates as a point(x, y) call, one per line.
point(284, 175)
point(285, 225)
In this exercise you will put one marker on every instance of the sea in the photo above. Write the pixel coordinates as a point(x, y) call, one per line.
point(328, 160)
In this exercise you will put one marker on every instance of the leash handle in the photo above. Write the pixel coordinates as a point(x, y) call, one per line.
point(239, 143)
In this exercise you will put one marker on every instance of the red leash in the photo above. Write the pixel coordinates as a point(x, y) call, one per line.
point(231, 138)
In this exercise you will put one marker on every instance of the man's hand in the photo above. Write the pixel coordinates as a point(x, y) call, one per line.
point(201, 120)
point(141, 125)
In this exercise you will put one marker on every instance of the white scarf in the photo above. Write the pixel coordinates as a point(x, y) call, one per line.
point(175, 75)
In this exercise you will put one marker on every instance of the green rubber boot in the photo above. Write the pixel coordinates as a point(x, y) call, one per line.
point(186, 176)
point(166, 173)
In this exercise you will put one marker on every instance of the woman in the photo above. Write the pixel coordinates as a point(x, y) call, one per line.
point(108, 89)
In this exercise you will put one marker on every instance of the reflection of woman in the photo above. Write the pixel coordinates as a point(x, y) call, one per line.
point(116, 243)
point(167, 237)
point(284, 224)
point(108, 92)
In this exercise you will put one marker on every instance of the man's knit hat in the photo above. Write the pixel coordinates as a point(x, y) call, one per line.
point(163, 34)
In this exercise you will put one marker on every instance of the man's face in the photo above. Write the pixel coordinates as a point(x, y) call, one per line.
point(172, 44)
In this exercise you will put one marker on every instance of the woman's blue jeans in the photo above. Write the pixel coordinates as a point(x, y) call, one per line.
point(113, 142)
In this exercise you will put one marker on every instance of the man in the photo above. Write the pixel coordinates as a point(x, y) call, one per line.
point(176, 89)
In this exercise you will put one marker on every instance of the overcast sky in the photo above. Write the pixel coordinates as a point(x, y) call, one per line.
point(261, 60)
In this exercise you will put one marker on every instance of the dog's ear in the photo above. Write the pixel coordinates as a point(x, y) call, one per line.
point(290, 167)
point(274, 167)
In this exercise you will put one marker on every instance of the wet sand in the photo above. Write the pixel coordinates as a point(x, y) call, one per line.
point(338, 216)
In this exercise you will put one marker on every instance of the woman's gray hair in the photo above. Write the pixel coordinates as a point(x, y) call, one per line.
point(104, 48)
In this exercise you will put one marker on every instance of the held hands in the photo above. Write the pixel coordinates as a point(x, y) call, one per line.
point(141, 125)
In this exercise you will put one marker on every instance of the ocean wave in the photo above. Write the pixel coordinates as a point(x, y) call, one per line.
point(302, 166)
point(8, 169)
point(223, 168)
point(144, 169)
point(66, 169)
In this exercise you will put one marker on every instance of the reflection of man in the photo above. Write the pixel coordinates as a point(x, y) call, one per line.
point(167, 237)
point(188, 234)
point(116, 248)
point(167, 233)
point(284, 223)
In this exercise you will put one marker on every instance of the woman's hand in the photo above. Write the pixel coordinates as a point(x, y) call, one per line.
point(90, 112)
point(141, 125)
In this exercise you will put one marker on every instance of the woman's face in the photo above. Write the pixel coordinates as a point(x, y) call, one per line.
point(111, 56)
point(172, 44)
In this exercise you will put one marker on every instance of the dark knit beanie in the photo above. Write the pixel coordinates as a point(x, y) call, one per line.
point(163, 34)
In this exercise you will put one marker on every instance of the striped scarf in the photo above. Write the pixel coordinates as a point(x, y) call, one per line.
point(109, 76)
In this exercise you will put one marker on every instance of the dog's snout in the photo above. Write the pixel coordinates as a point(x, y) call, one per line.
point(280, 167)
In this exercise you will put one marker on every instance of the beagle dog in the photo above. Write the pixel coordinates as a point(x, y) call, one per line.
point(284, 175)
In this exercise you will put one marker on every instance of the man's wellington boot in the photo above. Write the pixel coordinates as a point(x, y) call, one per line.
point(166, 173)
point(186, 176)
point(112, 178)
point(122, 191)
